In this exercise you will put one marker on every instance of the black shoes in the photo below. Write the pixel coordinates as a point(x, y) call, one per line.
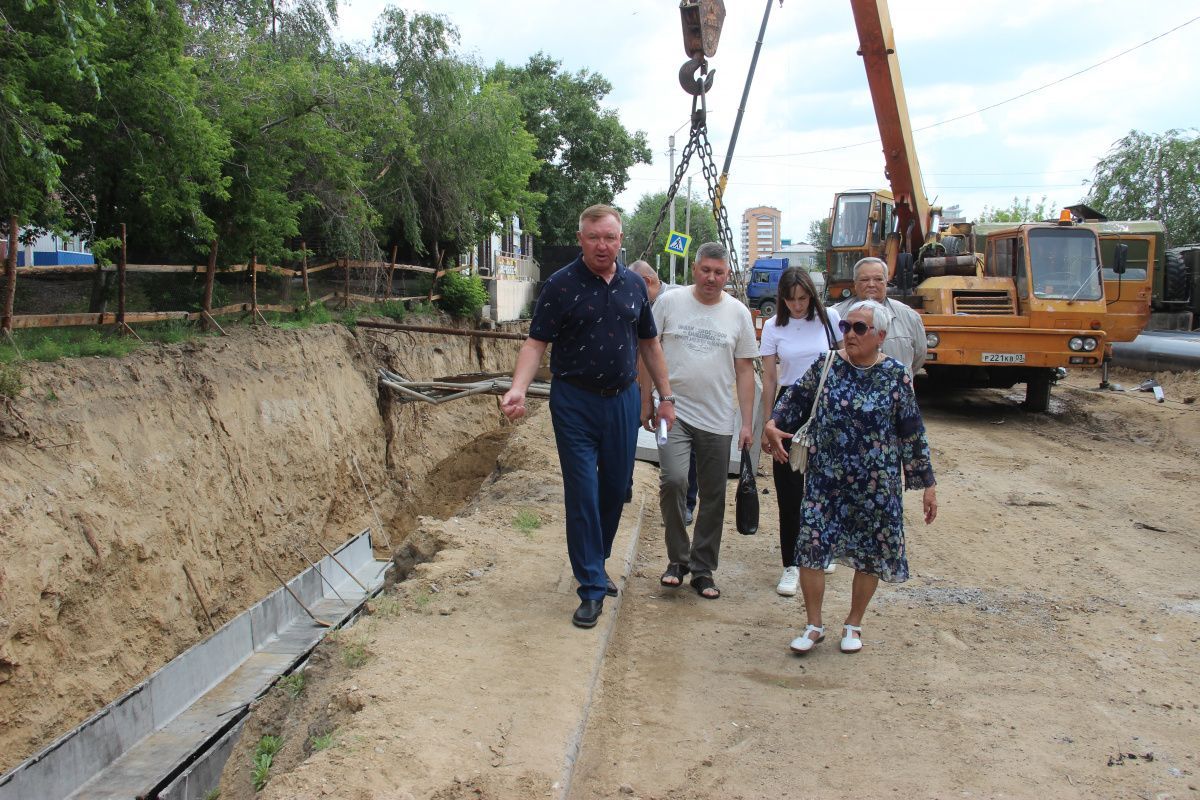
point(588, 613)
point(610, 588)
point(687, 519)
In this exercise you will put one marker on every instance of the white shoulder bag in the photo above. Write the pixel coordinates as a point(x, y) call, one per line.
point(806, 436)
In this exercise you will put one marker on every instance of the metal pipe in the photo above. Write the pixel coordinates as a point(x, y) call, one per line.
point(395, 326)
point(1158, 353)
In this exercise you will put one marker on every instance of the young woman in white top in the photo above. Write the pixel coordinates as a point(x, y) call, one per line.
point(801, 331)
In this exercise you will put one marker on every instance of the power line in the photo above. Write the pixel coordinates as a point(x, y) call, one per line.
point(993, 105)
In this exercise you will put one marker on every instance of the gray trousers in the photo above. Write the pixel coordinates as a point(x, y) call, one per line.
point(712, 471)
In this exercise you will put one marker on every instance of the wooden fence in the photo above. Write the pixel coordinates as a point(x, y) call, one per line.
point(385, 271)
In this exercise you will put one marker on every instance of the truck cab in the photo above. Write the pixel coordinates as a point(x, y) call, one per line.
point(762, 289)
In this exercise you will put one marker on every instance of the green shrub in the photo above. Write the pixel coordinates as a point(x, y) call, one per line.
point(461, 295)
point(46, 349)
point(392, 309)
point(264, 754)
point(306, 315)
point(293, 684)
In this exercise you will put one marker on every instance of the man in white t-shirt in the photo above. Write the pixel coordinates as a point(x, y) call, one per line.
point(709, 344)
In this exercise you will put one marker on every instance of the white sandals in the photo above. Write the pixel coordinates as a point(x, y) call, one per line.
point(850, 642)
point(803, 643)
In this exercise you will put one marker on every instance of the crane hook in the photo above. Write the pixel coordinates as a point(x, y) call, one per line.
point(694, 78)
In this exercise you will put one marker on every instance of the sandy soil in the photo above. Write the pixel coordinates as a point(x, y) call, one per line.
point(221, 457)
point(1045, 647)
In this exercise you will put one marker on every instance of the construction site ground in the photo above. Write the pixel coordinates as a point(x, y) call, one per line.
point(1046, 645)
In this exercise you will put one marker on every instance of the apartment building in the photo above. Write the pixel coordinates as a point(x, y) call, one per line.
point(760, 233)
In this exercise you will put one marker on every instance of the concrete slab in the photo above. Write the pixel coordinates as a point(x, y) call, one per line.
point(174, 728)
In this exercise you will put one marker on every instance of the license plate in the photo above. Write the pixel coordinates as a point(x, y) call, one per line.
point(1004, 358)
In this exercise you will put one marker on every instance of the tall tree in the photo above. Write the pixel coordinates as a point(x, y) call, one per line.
point(473, 159)
point(1019, 211)
point(46, 49)
point(146, 154)
point(585, 151)
point(1152, 176)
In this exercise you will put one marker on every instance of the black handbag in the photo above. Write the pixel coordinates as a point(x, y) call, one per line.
point(746, 499)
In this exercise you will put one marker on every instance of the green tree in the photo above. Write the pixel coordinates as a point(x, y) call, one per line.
point(818, 237)
point(472, 157)
point(1020, 211)
point(145, 153)
point(46, 49)
point(1152, 176)
point(585, 151)
point(640, 223)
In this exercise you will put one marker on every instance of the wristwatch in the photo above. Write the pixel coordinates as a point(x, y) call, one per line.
point(670, 398)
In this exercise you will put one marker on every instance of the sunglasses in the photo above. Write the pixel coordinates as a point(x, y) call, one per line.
point(859, 328)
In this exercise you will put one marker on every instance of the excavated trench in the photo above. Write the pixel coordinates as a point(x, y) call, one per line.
point(141, 497)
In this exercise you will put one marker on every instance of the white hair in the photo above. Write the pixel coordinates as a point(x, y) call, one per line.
point(879, 315)
point(869, 260)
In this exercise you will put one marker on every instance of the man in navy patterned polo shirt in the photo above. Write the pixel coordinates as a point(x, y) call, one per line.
point(597, 314)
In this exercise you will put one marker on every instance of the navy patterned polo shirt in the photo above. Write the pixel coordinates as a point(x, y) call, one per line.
point(594, 326)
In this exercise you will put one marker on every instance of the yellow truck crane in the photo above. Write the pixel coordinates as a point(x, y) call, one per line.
point(1004, 305)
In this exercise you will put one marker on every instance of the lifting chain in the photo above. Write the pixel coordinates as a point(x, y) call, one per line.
point(698, 144)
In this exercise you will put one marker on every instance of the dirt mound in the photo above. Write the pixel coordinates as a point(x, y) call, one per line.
point(221, 456)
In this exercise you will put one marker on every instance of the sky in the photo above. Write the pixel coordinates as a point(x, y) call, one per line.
point(809, 128)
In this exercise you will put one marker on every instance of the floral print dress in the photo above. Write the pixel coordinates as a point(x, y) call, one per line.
point(869, 445)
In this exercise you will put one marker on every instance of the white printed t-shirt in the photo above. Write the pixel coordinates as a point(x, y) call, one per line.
point(700, 343)
point(797, 344)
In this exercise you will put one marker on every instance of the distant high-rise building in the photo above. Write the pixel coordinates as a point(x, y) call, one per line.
point(760, 233)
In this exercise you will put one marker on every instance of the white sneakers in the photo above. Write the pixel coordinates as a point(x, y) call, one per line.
point(789, 582)
point(850, 642)
point(803, 643)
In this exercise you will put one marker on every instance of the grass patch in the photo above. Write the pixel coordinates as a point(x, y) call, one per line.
point(527, 521)
point(264, 754)
point(355, 654)
point(392, 309)
point(423, 598)
point(305, 316)
point(293, 684)
point(52, 344)
point(423, 309)
point(11, 383)
point(213, 794)
point(171, 331)
point(386, 606)
point(322, 742)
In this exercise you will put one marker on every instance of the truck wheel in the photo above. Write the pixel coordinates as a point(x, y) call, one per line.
point(1037, 392)
point(767, 309)
point(1175, 276)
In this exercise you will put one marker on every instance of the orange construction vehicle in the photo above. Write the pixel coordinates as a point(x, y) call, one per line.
point(1002, 304)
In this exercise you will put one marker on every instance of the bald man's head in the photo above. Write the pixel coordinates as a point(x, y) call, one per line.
point(653, 284)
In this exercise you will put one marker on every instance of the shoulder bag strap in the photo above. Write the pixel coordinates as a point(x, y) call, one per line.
point(820, 386)
point(823, 313)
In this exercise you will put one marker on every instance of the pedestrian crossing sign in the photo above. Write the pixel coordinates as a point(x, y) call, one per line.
point(678, 243)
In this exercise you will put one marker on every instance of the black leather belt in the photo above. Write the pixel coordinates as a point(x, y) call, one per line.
point(603, 391)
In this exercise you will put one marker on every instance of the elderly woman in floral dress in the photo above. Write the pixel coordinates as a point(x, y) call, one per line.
point(869, 445)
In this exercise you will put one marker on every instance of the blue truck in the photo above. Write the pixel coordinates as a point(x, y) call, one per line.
point(763, 286)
